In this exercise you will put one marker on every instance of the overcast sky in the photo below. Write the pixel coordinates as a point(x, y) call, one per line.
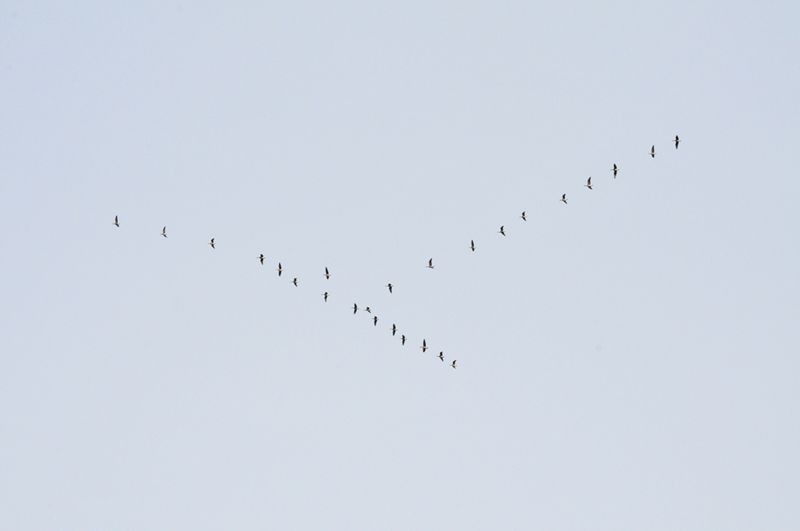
point(626, 361)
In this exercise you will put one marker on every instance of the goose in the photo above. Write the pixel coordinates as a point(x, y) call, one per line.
point(261, 258)
point(653, 151)
point(164, 231)
point(677, 141)
point(588, 183)
point(327, 274)
point(394, 329)
point(280, 269)
point(367, 309)
point(325, 296)
point(430, 263)
point(389, 285)
point(212, 244)
point(375, 321)
point(402, 339)
point(502, 230)
point(453, 365)
point(564, 198)
point(441, 355)
point(294, 281)
point(614, 170)
point(424, 346)
point(524, 216)
point(472, 245)
point(116, 221)
point(355, 308)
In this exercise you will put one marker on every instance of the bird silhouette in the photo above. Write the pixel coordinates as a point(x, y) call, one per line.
point(424, 346)
point(280, 269)
point(523, 216)
point(164, 231)
point(389, 285)
point(472, 245)
point(325, 296)
point(327, 274)
point(261, 258)
point(367, 309)
point(402, 339)
point(116, 221)
point(588, 183)
point(355, 308)
point(294, 281)
point(375, 321)
point(564, 198)
point(430, 263)
point(677, 141)
point(441, 355)
point(453, 365)
point(394, 329)
point(212, 244)
point(653, 151)
point(614, 170)
point(502, 230)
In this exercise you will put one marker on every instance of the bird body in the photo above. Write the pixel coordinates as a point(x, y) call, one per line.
point(564, 198)
point(677, 141)
point(294, 281)
point(453, 365)
point(524, 216)
point(653, 151)
point(325, 296)
point(327, 274)
point(355, 308)
point(375, 321)
point(441, 356)
point(588, 183)
point(164, 231)
point(472, 245)
point(430, 263)
point(614, 170)
point(502, 230)
point(261, 258)
point(389, 285)
point(403, 339)
point(212, 244)
point(280, 269)
point(116, 221)
point(394, 329)
point(424, 346)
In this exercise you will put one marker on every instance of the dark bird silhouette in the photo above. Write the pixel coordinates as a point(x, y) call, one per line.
point(212, 244)
point(677, 141)
point(614, 170)
point(355, 308)
point(389, 285)
point(430, 263)
point(424, 346)
point(294, 281)
point(325, 296)
point(502, 230)
point(472, 245)
point(280, 269)
point(327, 274)
point(394, 329)
point(403, 339)
point(367, 309)
point(164, 231)
point(588, 183)
point(653, 151)
point(564, 198)
point(375, 321)
point(116, 221)
point(453, 365)
point(523, 216)
point(261, 258)
point(441, 355)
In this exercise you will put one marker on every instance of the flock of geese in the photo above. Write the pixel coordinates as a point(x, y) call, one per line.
point(424, 347)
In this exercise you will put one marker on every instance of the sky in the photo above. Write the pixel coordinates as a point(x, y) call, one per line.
point(626, 361)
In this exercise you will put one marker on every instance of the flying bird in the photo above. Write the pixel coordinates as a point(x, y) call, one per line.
point(403, 339)
point(523, 216)
point(430, 263)
point(367, 309)
point(294, 281)
point(164, 231)
point(280, 269)
point(327, 274)
point(653, 151)
point(261, 258)
point(375, 321)
point(472, 245)
point(677, 141)
point(502, 230)
point(614, 170)
point(116, 221)
point(424, 346)
point(441, 355)
point(588, 183)
point(394, 329)
point(564, 198)
point(325, 296)
point(212, 244)
point(389, 285)
point(355, 308)
point(453, 365)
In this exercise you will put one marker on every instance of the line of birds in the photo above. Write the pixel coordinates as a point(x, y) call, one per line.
point(424, 347)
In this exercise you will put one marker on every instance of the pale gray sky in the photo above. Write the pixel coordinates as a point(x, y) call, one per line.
point(627, 361)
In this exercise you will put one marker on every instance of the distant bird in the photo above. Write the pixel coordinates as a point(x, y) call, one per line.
point(367, 309)
point(677, 141)
point(294, 281)
point(327, 274)
point(355, 308)
point(280, 269)
point(430, 263)
point(212, 244)
point(164, 232)
point(453, 365)
point(116, 221)
point(441, 356)
point(375, 321)
point(502, 230)
point(614, 170)
point(261, 258)
point(389, 285)
point(523, 216)
point(564, 198)
point(325, 296)
point(588, 183)
point(403, 339)
point(653, 151)
point(424, 346)
point(394, 329)
point(472, 245)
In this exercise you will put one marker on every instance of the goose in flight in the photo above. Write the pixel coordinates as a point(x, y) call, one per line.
point(524, 216)
point(164, 231)
point(502, 230)
point(614, 170)
point(325, 296)
point(389, 285)
point(375, 321)
point(294, 281)
point(653, 151)
point(430, 263)
point(327, 274)
point(394, 329)
point(402, 339)
point(261, 258)
point(453, 365)
point(588, 183)
point(472, 245)
point(677, 141)
point(367, 309)
point(280, 269)
point(212, 244)
point(116, 221)
point(355, 308)
point(441, 355)
point(424, 346)
point(564, 198)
